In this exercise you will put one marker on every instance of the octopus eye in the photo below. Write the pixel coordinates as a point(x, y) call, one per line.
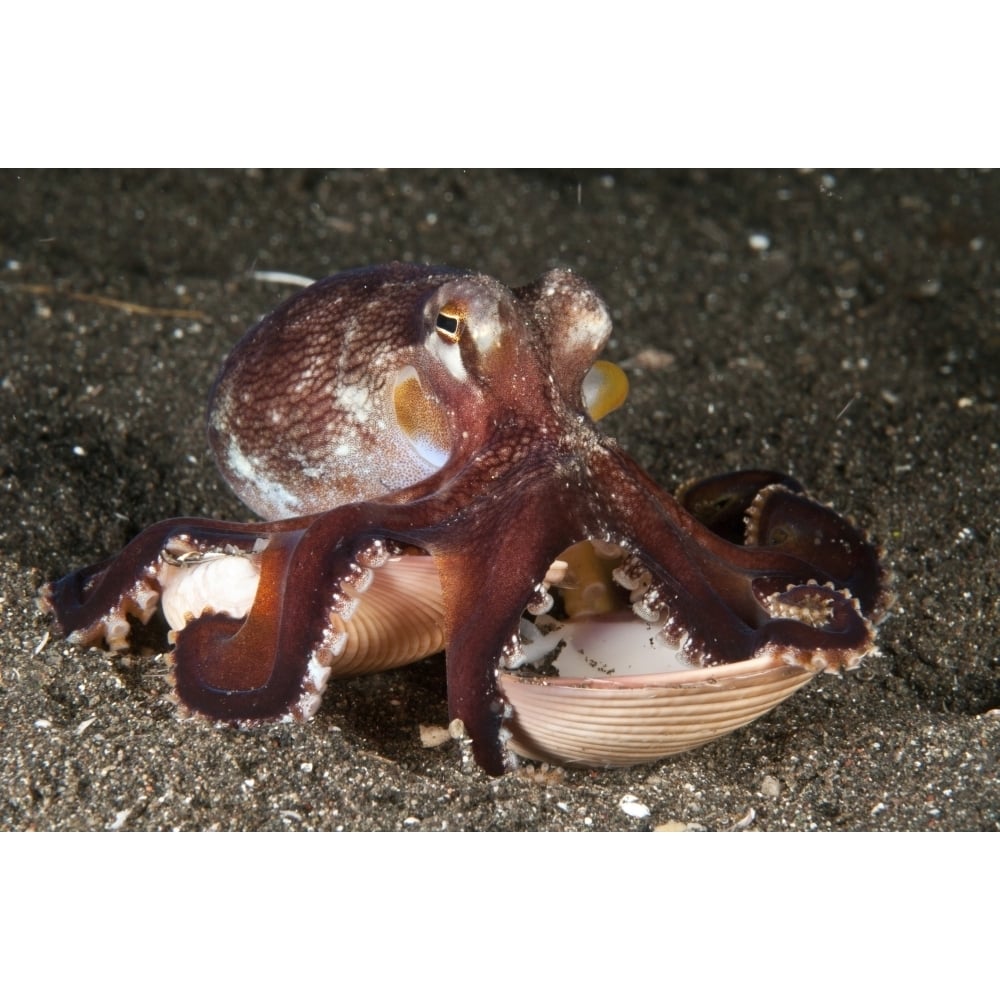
point(448, 327)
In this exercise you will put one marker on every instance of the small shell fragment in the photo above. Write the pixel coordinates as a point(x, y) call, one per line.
point(433, 736)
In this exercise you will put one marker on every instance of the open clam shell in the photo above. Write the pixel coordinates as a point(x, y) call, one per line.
point(611, 691)
point(615, 722)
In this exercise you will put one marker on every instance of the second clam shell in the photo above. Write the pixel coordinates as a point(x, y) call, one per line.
point(635, 720)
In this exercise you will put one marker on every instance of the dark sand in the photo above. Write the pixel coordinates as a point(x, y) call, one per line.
point(860, 351)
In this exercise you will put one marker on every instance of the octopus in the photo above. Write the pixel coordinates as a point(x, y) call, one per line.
point(422, 444)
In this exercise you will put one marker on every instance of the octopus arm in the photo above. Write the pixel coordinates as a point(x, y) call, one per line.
point(256, 667)
point(93, 605)
point(276, 661)
point(491, 568)
point(801, 577)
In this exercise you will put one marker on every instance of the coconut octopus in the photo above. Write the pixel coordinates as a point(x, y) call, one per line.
point(422, 445)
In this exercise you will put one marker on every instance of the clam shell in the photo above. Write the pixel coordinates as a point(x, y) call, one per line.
point(616, 722)
point(399, 620)
point(396, 620)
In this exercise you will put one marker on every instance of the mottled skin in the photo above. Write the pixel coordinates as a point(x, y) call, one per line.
point(306, 424)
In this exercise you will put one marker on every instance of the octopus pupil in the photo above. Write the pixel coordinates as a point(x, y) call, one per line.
point(447, 326)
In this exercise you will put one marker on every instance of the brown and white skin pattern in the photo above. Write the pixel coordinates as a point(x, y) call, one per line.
point(422, 444)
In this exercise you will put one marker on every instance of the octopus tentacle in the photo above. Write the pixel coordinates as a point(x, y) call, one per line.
point(276, 661)
point(757, 508)
point(721, 502)
point(241, 669)
point(718, 599)
point(840, 552)
point(93, 604)
point(484, 599)
point(818, 625)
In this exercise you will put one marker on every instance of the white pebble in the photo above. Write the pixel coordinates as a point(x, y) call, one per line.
point(631, 806)
point(770, 786)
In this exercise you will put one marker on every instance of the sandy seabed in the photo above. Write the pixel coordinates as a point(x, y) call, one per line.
point(842, 327)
